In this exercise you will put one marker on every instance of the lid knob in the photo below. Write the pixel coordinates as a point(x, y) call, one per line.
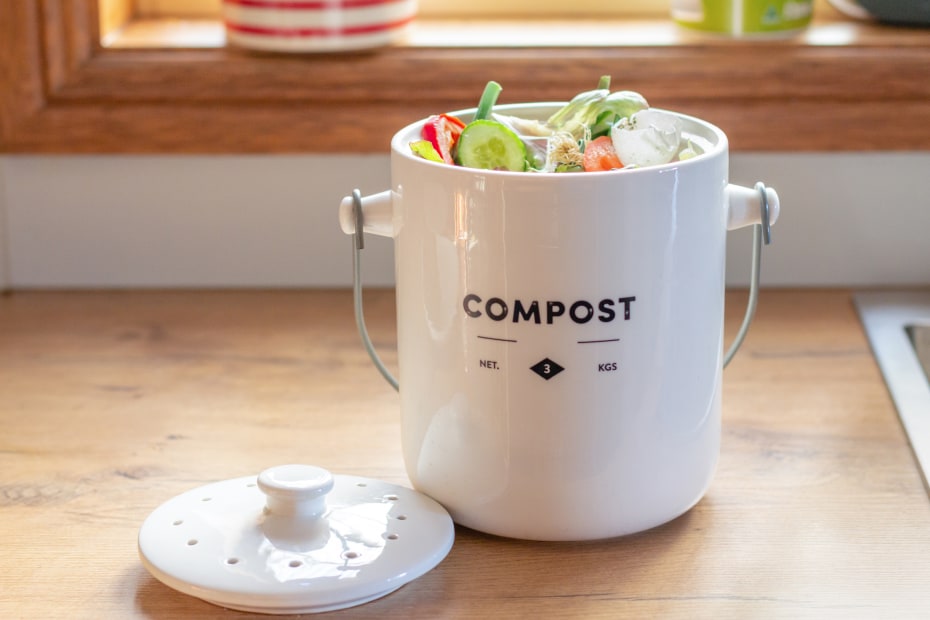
point(296, 491)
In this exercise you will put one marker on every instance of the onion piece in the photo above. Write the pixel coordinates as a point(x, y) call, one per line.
point(647, 138)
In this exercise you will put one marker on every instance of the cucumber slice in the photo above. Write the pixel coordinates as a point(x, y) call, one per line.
point(490, 145)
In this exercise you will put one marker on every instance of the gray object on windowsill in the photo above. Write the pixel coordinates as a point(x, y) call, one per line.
point(897, 12)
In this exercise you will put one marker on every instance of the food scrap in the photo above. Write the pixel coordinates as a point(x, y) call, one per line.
point(597, 131)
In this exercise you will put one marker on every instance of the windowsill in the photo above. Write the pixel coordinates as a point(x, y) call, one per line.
point(173, 86)
point(503, 33)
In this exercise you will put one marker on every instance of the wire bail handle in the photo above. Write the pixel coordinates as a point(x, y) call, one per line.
point(358, 244)
point(764, 202)
point(359, 219)
point(761, 233)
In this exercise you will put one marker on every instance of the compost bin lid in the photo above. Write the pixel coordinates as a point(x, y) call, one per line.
point(295, 539)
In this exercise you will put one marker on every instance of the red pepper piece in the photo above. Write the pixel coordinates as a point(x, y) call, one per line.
point(600, 154)
point(443, 131)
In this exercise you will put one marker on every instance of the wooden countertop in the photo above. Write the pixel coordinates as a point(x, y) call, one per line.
point(114, 402)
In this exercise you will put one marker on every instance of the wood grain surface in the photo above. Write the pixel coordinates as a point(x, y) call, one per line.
point(114, 402)
point(844, 86)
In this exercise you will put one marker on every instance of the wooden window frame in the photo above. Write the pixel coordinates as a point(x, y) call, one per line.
point(61, 92)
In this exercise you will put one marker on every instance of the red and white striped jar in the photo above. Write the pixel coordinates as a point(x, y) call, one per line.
point(316, 25)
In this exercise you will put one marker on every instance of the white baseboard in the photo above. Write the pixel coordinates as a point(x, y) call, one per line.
point(270, 221)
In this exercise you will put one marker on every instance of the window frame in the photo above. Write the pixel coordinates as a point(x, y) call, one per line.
point(61, 92)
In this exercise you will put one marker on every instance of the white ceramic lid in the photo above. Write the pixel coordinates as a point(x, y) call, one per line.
point(295, 540)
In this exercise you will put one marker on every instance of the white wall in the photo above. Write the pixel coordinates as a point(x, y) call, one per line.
point(268, 221)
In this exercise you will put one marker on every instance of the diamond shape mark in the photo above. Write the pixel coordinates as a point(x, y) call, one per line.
point(546, 368)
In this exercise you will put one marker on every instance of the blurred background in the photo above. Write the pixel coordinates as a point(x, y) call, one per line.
point(80, 209)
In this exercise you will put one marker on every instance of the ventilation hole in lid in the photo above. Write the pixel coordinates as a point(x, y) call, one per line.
point(251, 484)
point(295, 563)
point(192, 542)
point(206, 499)
point(401, 517)
point(350, 555)
point(392, 536)
point(232, 560)
point(178, 522)
point(392, 498)
point(361, 484)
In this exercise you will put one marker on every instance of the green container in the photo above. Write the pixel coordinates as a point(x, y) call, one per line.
point(744, 17)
